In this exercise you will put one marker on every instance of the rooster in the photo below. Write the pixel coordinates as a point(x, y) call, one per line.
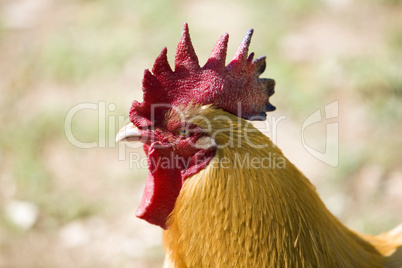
point(224, 194)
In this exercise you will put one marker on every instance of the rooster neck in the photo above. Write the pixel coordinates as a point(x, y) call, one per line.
point(238, 213)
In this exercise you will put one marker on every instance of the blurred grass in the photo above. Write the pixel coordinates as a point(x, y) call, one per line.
point(57, 54)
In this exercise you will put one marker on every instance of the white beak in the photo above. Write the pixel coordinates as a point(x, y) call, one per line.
point(128, 133)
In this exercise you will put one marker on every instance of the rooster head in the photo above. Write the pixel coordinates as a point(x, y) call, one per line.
point(175, 147)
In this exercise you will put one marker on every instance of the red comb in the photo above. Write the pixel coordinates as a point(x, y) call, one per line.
point(235, 88)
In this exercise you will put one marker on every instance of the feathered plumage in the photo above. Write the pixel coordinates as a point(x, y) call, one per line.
point(234, 213)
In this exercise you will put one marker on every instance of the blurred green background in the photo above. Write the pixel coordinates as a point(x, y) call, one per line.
point(66, 206)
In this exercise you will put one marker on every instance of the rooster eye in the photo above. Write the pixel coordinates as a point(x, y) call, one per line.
point(184, 132)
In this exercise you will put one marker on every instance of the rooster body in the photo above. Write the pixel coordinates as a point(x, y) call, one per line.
point(224, 193)
point(236, 214)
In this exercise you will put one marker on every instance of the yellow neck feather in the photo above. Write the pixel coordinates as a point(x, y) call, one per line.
point(251, 207)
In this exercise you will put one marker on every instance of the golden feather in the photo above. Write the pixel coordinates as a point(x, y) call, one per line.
point(234, 214)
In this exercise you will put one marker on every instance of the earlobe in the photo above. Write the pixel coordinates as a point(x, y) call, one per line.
point(205, 142)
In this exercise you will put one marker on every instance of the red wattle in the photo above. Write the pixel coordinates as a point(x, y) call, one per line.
point(167, 173)
point(162, 188)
